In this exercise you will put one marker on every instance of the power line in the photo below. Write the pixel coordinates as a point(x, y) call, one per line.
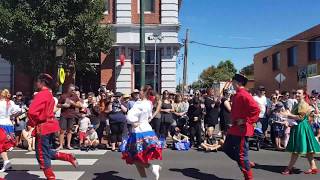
point(250, 47)
point(229, 47)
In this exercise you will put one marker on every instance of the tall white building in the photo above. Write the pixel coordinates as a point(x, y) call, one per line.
point(161, 19)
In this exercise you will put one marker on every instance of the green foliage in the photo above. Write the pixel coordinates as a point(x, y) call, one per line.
point(223, 72)
point(33, 27)
point(248, 71)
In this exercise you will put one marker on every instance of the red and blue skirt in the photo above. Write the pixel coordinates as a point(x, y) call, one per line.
point(7, 140)
point(142, 147)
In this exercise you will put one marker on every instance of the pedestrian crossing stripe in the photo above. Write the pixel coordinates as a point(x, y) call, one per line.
point(32, 175)
point(33, 161)
point(78, 152)
point(19, 150)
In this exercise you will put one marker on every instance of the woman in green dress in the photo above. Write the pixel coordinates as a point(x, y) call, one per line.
point(302, 139)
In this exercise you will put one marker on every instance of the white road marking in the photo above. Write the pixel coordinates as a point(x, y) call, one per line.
point(35, 175)
point(33, 161)
point(78, 152)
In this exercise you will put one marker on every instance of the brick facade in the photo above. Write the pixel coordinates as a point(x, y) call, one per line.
point(107, 70)
point(109, 17)
point(149, 18)
point(264, 73)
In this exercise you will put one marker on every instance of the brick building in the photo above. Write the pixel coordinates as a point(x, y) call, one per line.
point(296, 58)
point(161, 18)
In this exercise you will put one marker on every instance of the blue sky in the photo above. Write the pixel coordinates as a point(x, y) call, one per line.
point(240, 23)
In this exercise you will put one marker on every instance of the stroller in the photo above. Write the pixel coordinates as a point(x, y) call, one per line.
point(257, 139)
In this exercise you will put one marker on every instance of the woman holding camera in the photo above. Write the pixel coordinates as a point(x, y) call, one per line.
point(117, 120)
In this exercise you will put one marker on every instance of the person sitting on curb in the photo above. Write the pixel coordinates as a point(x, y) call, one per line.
point(210, 143)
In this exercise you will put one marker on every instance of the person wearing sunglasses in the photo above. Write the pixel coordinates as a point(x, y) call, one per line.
point(68, 103)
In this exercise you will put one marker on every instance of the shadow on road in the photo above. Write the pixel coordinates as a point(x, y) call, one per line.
point(196, 174)
point(110, 175)
point(21, 174)
point(274, 169)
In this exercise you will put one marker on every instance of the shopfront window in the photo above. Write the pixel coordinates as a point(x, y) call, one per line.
point(314, 49)
point(150, 73)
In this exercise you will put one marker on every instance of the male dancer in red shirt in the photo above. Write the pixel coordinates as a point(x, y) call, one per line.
point(41, 117)
point(244, 113)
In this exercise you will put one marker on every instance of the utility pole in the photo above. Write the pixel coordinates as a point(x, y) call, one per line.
point(179, 85)
point(142, 46)
point(185, 63)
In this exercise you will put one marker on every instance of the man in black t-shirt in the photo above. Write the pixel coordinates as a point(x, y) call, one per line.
point(212, 109)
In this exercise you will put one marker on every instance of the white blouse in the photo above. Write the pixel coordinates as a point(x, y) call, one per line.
point(6, 110)
point(139, 115)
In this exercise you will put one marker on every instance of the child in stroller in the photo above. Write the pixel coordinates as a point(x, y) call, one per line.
point(257, 138)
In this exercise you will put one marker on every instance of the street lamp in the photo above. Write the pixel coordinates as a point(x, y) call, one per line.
point(157, 39)
point(60, 54)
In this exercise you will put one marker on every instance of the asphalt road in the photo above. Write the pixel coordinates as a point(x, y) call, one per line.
point(106, 165)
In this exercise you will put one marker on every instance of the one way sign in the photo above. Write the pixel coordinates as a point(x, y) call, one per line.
point(280, 78)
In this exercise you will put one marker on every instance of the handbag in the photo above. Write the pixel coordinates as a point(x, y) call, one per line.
point(182, 146)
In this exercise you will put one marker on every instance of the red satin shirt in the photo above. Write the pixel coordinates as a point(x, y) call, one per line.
point(41, 115)
point(243, 107)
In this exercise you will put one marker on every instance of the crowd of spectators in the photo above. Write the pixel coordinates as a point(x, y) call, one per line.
point(200, 120)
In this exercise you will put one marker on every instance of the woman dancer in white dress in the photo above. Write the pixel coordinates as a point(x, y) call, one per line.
point(142, 144)
point(7, 142)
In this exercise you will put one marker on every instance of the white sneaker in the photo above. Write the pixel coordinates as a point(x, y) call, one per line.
point(6, 166)
point(156, 171)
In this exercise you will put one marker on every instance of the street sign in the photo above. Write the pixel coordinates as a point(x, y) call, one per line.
point(62, 75)
point(280, 78)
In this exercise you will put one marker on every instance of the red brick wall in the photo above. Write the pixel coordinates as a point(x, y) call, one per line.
point(263, 73)
point(107, 70)
point(152, 18)
point(110, 17)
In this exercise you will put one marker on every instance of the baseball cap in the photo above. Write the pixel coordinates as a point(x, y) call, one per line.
point(279, 106)
point(90, 126)
point(262, 88)
point(19, 93)
point(126, 96)
point(118, 94)
point(135, 91)
point(314, 91)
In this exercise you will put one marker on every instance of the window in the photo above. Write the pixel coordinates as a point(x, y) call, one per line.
point(169, 52)
point(276, 61)
point(314, 49)
point(265, 60)
point(106, 7)
point(148, 6)
point(292, 56)
point(150, 73)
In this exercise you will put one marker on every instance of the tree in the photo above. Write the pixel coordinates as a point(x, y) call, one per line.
point(29, 31)
point(248, 71)
point(223, 72)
